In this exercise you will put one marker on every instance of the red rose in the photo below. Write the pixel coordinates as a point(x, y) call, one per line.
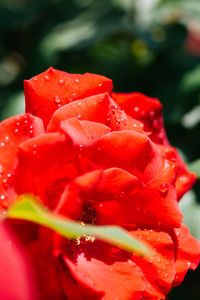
point(103, 158)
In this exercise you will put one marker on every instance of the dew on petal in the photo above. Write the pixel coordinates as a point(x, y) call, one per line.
point(61, 81)
point(163, 189)
point(46, 77)
point(57, 99)
point(76, 80)
point(2, 197)
point(136, 109)
point(79, 116)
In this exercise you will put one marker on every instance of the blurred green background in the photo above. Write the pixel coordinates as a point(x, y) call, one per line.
point(150, 46)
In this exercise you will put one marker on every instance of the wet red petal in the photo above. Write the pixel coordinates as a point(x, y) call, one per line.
point(145, 109)
point(152, 204)
point(13, 132)
point(94, 108)
point(115, 182)
point(45, 167)
point(83, 133)
point(45, 92)
point(158, 270)
point(187, 253)
point(185, 179)
point(123, 279)
point(124, 149)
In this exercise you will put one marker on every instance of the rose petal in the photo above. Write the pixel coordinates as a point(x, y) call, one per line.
point(94, 108)
point(47, 276)
point(83, 133)
point(13, 132)
point(145, 109)
point(187, 253)
point(16, 272)
point(152, 204)
point(185, 179)
point(124, 149)
point(121, 280)
point(158, 270)
point(45, 92)
point(71, 202)
point(45, 166)
point(115, 182)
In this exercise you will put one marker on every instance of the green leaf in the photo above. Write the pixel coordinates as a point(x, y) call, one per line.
point(195, 167)
point(27, 208)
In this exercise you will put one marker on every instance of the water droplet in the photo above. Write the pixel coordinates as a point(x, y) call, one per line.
point(17, 124)
point(35, 79)
point(61, 81)
point(136, 109)
point(113, 109)
point(100, 84)
point(2, 144)
point(117, 124)
point(167, 165)
point(16, 130)
point(46, 77)
point(163, 189)
point(79, 116)
point(26, 121)
point(5, 182)
point(6, 138)
point(9, 175)
point(108, 117)
point(100, 100)
point(80, 147)
point(189, 264)
point(31, 133)
point(57, 99)
point(4, 201)
point(79, 103)
point(76, 80)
